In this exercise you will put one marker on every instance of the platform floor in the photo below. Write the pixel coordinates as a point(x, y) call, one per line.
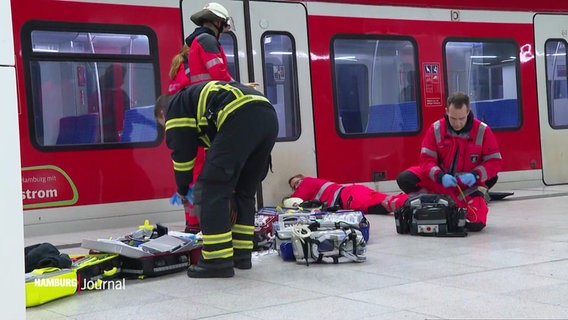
point(517, 268)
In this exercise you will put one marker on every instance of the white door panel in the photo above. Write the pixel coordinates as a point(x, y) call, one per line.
point(288, 157)
point(553, 140)
point(235, 9)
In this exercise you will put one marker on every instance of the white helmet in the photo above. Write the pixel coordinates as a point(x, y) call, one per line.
point(292, 202)
point(211, 12)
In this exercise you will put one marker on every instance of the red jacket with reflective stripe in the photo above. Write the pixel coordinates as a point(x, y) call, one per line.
point(474, 150)
point(180, 81)
point(353, 196)
point(309, 187)
point(207, 60)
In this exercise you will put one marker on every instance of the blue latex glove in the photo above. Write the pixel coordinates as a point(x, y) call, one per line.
point(468, 179)
point(176, 199)
point(449, 181)
point(189, 195)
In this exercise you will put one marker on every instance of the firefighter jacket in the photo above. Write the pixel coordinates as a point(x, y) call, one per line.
point(194, 116)
point(474, 149)
point(207, 60)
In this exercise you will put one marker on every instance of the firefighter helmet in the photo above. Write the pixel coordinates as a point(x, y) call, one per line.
point(211, 12)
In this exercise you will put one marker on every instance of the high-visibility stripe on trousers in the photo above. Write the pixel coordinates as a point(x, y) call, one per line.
point(217, 246)
point(243, 236)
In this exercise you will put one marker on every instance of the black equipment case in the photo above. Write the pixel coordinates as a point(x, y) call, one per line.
point(431, 215)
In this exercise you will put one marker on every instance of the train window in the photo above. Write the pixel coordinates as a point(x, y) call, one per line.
point(280, 83)
point(90, 87)
point(89, 43)
point(375, 85)
point(229, 44)
point(556, 84)
point(488, 72)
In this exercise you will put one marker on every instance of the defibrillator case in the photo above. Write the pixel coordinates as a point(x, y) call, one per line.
point(431, 215)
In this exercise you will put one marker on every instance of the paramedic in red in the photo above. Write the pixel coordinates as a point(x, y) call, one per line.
point(207, 60)
point(352, 197)
point(179, 79)
point(179, 71)
point(239, 126)
point(459, 156)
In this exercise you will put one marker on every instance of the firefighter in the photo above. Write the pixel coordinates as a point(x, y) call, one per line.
point(239, 126)
point(352, 197)
point(459, 157)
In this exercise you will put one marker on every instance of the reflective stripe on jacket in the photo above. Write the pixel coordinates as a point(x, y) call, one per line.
point(194, 116)
point(474, 150)
point(207, 60)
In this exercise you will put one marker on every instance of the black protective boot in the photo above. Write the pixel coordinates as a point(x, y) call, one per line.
point(196, 271)
point(243, 264)
point(242, 259)
point(474, 226)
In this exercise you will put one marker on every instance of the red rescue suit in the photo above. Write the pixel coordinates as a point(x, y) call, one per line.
point(181, 80)
point(207, 60)
point(352, 197)
point(473, 150)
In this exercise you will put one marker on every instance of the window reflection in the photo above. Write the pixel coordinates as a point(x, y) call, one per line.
point(375, 85)
point(85, 91)
point(229, 44)
point(556, 84)
point(280, 83)
point(488, 72)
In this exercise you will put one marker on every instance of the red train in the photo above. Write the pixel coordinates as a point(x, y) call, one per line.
point(355, 84)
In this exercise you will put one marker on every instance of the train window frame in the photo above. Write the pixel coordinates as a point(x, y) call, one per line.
point(294, 110)
point(416, 123)
point(234, 52)
point(549, 104)
point(29, 57)
point(517, 70)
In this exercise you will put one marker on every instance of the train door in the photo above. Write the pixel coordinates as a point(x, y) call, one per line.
point(277, 57)
point(551, 41)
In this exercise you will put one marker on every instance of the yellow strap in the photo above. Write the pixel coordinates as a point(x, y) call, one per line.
point(234, 105)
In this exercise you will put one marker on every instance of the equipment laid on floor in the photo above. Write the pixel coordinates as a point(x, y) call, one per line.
point(87, 272)
point(144, 253)
point(335, 240)
point(149, 251)
point(431, 215)
point(334, 224)
point(47, 284)
point(94, 269)
point(263, 232)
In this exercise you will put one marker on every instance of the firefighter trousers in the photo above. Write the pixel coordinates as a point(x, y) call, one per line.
point(237, 161)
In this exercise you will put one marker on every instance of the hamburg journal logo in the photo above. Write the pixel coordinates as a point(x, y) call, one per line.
point(82, 284)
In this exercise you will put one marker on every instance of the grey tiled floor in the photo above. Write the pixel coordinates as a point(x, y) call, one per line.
point(517, 268)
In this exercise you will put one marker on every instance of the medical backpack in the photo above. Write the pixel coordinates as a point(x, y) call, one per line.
point(333, 240)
